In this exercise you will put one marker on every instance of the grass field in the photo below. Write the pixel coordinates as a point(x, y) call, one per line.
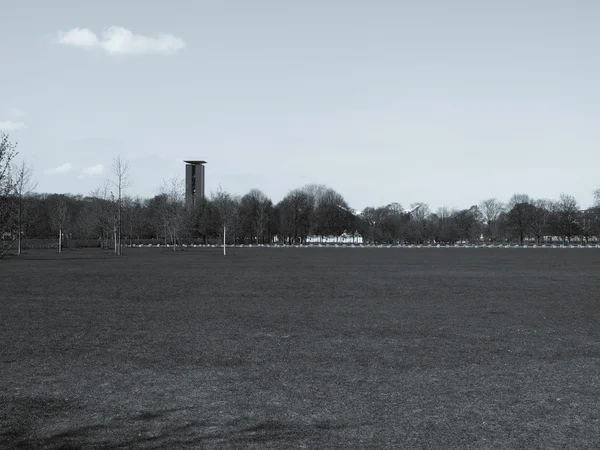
point(301, 348)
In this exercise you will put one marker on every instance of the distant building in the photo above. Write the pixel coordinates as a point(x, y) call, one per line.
point(194, 182)
point(588, 218)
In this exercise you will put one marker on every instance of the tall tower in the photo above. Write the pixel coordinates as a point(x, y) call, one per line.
point(194, 182)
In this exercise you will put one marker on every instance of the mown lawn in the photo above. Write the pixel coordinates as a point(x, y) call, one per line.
point(301, 348)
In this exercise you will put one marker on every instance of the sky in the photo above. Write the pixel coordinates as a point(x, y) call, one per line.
point(447, 103)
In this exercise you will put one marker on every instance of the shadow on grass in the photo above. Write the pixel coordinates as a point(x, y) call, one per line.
point(19, 416)
point(21, 427)
point(67, 255)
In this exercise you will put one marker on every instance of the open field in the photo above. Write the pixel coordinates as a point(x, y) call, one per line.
point(301, 348)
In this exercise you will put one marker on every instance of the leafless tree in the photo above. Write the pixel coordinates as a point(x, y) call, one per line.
point(254, 209)
point(60, 217)
point(7, 203)
point(491, 210)
point(7, 153)
point(443, 212)
point(315, 192)
point(384, 224)
point(468, 224)
point(520, 215)
point(567, 215)
point(296, 213)
point(519, 198)
point(540, 218)
point(419, 226)
point(23, 187)
point(132, 216)
point(226, 206)
point(597, 197)
point(103, 213)
point(262, 218)
point(443, 225)
point(172, 210)
point(120, 170)
point(395, 208)
point(330, 217)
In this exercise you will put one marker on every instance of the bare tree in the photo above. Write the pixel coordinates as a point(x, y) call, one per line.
point(315, 192)
point(7, 153)
point(520, 214)
point(540, 218)
point(384, 224)
point(227, 207)
point(468, 224)
point(103, 213)
point(419, 227)
point(7, 204)
point(296, 212)
point(60, 217)
point(255, 207)
point(131, 216)
point(567, 215)
point(262, 218)
point(329, 215)
point(444, 225)
point(120, 170)
point(519, 198)
point(171, 208)
point(23, 187)
point(597, 197)
point(491, 210)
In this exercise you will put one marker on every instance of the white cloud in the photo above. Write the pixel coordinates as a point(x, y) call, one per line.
point(93, 170)
point(119, 40)
point(16, 113)
point(9, 125)
point(66, 167)
point(78, 37)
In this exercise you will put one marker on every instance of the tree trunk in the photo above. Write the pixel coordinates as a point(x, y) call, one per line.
point(19, 230)
point(59, 239)
point(118, 241)
point(224, 241)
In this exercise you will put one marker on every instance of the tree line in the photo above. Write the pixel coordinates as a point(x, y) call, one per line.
point(107, 216)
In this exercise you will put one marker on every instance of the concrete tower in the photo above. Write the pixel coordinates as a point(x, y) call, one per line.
point(194, 182)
